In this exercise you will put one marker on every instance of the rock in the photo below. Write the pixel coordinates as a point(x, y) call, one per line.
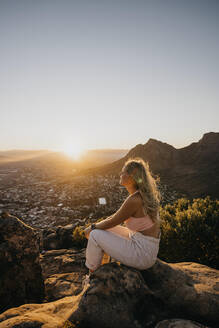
point(61, 285)
point(191, 290)
point(117, 292)
point(63, 261)
point(179, 323)
point(63, 271)
point(165, 295)
point(47, 315)
point(21, 278)
point(143, 298)
point(59, 237)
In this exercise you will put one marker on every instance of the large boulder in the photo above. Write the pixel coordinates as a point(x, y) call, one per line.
point(190, 290)
point(115, 292)
point(140, 299)
point(21, 278)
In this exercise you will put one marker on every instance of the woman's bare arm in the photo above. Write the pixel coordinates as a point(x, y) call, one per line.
point(127, 209)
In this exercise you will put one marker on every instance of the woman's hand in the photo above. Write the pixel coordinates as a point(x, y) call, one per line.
point(87, 232)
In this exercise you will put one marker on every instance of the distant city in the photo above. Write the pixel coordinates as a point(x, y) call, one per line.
point(45, 189)
point(43, 198)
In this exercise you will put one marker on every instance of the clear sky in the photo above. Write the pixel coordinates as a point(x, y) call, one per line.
point(107, 73)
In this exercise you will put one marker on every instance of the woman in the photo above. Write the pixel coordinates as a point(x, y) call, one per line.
point(137, 244)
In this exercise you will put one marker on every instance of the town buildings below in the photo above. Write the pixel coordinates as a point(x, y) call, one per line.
point(43, 198)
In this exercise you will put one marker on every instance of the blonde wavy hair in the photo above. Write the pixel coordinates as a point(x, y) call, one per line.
point(147, 185)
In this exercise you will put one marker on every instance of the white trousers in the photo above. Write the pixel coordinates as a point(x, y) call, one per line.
point(126, 246)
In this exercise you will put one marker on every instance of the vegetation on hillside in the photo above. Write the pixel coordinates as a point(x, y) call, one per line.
point(190, 231)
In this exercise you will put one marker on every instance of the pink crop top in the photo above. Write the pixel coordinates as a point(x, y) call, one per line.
point(139, 224)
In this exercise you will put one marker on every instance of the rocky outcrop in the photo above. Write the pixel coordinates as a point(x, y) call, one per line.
point(63, 271)
point(61, 285)
point(21, 278)
point(63, 261)
point(59, 237)
point(166, 295)
point(190, 290)
point(116, 292)
point(47, 315)
point(141, 299)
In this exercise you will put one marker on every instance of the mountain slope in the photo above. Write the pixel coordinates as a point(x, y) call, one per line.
point(193, 170)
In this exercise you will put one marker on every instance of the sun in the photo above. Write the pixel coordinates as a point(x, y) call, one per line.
point(75, 151)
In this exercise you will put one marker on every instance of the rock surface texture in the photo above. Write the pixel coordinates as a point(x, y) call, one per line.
point(141, 299)
point(21, 278)
point(47, 315)
point(178, 323)
point(63, 271)
point(180, 295)
point(59, 237)
point(167, 295)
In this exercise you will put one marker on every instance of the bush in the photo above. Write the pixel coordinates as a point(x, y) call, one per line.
point(68, 324)
point(190, 231)
point(79, 239)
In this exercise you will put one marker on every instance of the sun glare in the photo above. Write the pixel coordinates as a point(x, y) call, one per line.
point(74, 151)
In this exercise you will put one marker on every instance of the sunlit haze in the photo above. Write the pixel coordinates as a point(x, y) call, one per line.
point(74, 151)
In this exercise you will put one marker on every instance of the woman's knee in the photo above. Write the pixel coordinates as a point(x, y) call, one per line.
point(94, 233)
point(89, 234)
point(97, 236)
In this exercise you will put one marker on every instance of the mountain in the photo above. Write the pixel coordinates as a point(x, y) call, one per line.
point(58, 160)
point(97, 157)
point(192, 170)
point(19, 155)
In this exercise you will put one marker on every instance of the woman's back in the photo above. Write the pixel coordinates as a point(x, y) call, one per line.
point(141, 222)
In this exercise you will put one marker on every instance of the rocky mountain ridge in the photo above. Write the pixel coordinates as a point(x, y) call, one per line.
point(192, 170)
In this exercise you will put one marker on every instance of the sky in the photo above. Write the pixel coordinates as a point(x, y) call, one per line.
point(97, 74)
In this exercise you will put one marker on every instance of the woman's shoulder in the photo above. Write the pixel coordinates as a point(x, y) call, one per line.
point(136, 197)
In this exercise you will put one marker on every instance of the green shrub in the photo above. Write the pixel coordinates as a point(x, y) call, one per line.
point(190, 231)
point(68, 324)
point(79, 239)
